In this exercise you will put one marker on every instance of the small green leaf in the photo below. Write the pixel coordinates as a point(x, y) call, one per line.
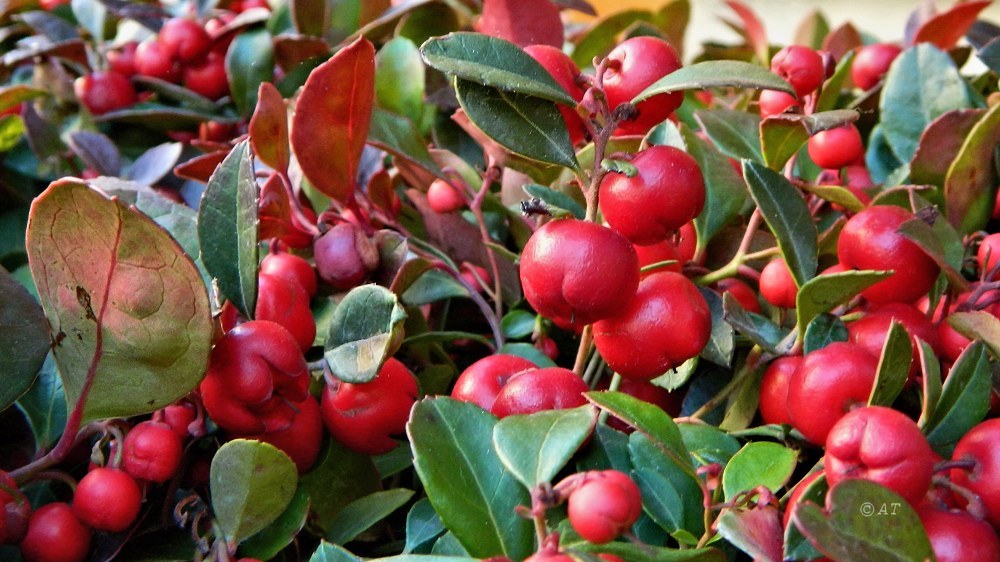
point(893, 366)
point(357, 516)
point(492, 62)
point(647, 419)
point(535, 447)
point(251, 484)
point(785, 211)
point(930, 241)
point(930, 368)
point(761, 330)
point(620, 166)
point(721, 343)
point(526, 125)
point(837, 195)
point(829, 97)
point(518, 324)
point(556, 200)
point(978, 325)
point(327, 552)
point(44, 406)
point(970, 185)
point(735, 133)
point(399, 78)
point(529, 352)
point(367, 328)
point(266, 544)
point(399, 136)
point(824, 292)
point(24, 338)
point(708, 444)
point(716, 74)
point(422, 525)
point(725, 193)
point(249, 62)
point(670, 494)
point(964, 401)
point(339, 477)
point(758, 464)
point(822, 331)
point(780, 139)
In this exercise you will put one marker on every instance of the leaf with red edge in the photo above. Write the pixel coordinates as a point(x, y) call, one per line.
point(939, 144)
point(944, 29)
point(969, 185)
point(269, 128)
point(756, 532)
point(753, 30)
point(129, 312)
point(332, 117)
point(275, 214)
point(842, 40)
point(510, 20)
point(201, 168)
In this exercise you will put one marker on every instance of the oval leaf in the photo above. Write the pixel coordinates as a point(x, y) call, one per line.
point(251, 484)
point(725, 192)
point(646, 418)
point(556, 199)
point(758, 464)
point(130, 312)
point(535, 447)
point(964, 400)
point(735, 133)
point(24, 339)
point(400, 78)
point(44, 405)
point(969, 185)
point(367, 328)
point(227, 229)
point(362, 513)
point(824, 292)
point(893, 366)
point(716, 74)
point(332, 118)
point(269, 128)
point(249, 62)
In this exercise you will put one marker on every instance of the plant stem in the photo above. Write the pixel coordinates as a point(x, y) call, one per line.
point(491, 174)
point(586, 338)
point(733, 267)
point(741, 376)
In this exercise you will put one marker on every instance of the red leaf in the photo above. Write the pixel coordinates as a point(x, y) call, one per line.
point(842, 40)
point(200, 168)
point(522, 22)
point(275, 209)
point(269, 128)
point(331, 120)
point(944, 29)
point(753, 29)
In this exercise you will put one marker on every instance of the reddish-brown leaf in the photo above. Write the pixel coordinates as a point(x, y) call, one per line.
point(293, 50)
point(753, 29)
point(509, 19)
point(842, 40)
point(200, 168)
point(269, 128)
point(331, 120)
point(275, 214)
point(944, 29)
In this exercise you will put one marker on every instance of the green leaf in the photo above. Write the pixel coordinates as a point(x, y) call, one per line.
point(725, 192)
point(970, 185)
point(782, 136)
point(756, 531)
point(785, 211)
point(867, 521)
point(399, 78)
point(638, 552)
point(227, 229)
point(759, 463)
point(556, 200)
point(797, 546)
point(670, 494)
point(24, 339)
point(422, 525)
point(708, 444)
point(893, 366)
point(735, 133)
point(716, 74)
point(837, 195)
point(11, 132)
point(249, 61)
point(647, 419)
point(367, 328)
point(529, 352)
point(471, 491)
point(251, 484)
point(965, 399)
point(339, 477)
point(44, 406)
point(357, 516)
point(922, 84)
point(930, 240)
point(14, 94)
point(535, 447)
point(435, 337)
point(978, 325)
point(130, 311)
point(822, 331)
point(399, 136)
point(518, 324)
point(492, 62)
point(759, 329)
point(721, 343)
point(829, 96)
point(824, 292)
point(603, 35)
point(525, 125)
point(930, 368)
point(327, 552)
point(266, 544)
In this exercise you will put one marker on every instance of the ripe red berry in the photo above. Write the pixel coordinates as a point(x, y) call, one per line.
point(302, 439)
point(776, 102)
point(481, 382)
point(881, 445)
point(284, 301)
point(15, 511)
point(837, 147)
point(801, 67)
point(793, 500)
point(547, 556)
point(363, 417)
point(633, 66)
point(743, 293)
point(774, 389)
point(107, 499)
point(152, 451)
point(345, 256)
point(102, 92)
point(988, 254)
point(185, 39)
point(291, 267)
point(667, 192)
point(981, 445)
point(957, 536)
point(153, 58)
point(777, 285)
point(122, 59)
point(869, 240)
point(656, 253)
point(565, 72)
point(208, 77)
point(527, 392)
point(607, 504)
point(179, 416)
point(872, 62)
point(667, 323)
point(443, 197)
point(827, 384)
point(564, 272)
point(870, 331)
point(55, 535)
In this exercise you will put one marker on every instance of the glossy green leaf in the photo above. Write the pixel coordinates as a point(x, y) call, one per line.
point(759, 329)
point(797, 546)
point(535, 447)
point(708, 444)
point(922, 84)
point(327, 552)
point(367, 328)
point(399, 136)
point(969, 187)
point(556, 200)
point(756, 531)
point(270, 541)
point(422, 525)
point(866, 521)
point(822, 331)
point(829, 97)
point(24, 338)
point(930, 369)
point(893, 367)
point(782, 136)
point(357, 516)
point(716, 74)
point(526, 125)
point(603, 35)
point(964, 401)
point(940, 143)
point(129, 309)
point(471, 491)
point(44, 406)
point(647, 419)
point(251, 484)
point(518, 324)
point(932, 241)
point(492, 62)
point(227, 229)
point(339, 477)
point(788, 217)
point(721, 342)
point(758, 463)
point(725, 192)
point(742, 405)
point(249, 62)
point(824, 292)
point(670, 494)
point(399, 78)
point(735, 133)
point(837, 195)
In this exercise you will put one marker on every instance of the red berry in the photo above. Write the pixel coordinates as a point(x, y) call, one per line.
point(122, 59)
point(957, 536)
point(667, 323)
point(793, 500)
point(286, 302)
point(656, 253)
point(527, 392)
point(15, 511)
point(776, 102)
point(345, 256)
point(981, 445)
point(869, 240)
point(152, 451)
point(837, 147)
point(548, 346)
point(102, 92)
point(208, 77)
point(565, 72)
point(364, 416)
point(153, 58)
point(872, 62)
point(801, 67)
point(871, 330)
point(667, 192)
point(777, 285)
point(774, 389)
point(443, 197)
point(633, 66)
point(55, 535)
point(185, 39)
point(302, 439)
point(107, 499)
point(687, 243)
point(607, 504)
point(481, 382)
point(743, 293)
point(49, 5)
point(988, 254)
point(292, 268)
point(564, 272)
point(179, 417)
